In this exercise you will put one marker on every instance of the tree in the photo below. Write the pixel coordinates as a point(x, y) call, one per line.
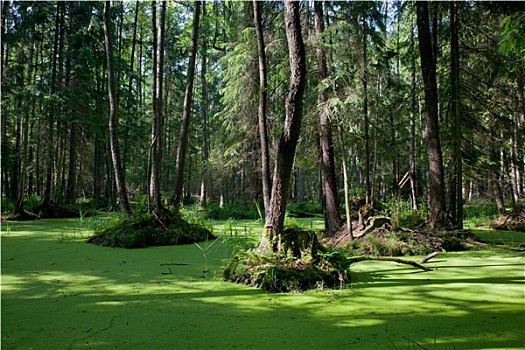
point(113, 120)
point(332, 215)
point(456, 188)
point(436, 185)
point(261, 112)
point(273, 239)
point(157, 120)
point(23, 125)
point(186, 111)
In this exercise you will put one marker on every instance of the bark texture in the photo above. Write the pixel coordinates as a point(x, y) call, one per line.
point(186, 109)
point(120, 181)
point(273, 239)
point(436, 184)
point(261, 112)
point(332, 214)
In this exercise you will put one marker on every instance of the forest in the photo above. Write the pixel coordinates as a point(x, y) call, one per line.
point(333, 154)
point(198, 100)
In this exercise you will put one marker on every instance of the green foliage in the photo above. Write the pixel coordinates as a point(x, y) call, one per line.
point(304, 209)
point(479, 214)
point(144, 230)
point(237, 211)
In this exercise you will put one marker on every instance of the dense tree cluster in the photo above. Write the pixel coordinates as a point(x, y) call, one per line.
point(176, 101)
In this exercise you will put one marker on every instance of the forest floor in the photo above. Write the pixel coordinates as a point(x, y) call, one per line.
point(59, 292)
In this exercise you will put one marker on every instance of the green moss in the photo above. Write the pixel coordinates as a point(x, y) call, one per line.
point(151, 230)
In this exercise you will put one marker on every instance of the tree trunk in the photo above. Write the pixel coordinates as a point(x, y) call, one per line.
point(5, 146)
point(157, 134)
point(261, 113)
point(456, 198)
point(120, 181)
point(186, 109)
point(366, 123)
point(413, 107)
point(205, 150)
point(273, 239)
point(71, 186)
point(130, 97)
point(436, 185)
point(332, 215)
point(24, 130)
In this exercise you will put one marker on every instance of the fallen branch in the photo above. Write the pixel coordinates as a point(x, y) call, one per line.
point(428, 257)
point(387, 258)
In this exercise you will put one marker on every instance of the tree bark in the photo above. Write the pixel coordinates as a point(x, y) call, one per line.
point(186, 110)
point(261, 112)
point(273, 239)
point(456, 197)
point(157, 122)
point(368, 185)
point(205, 150)
point(332, 214)
point(24, 130)
point(436, 185)
point(5, 146)
point(413, 107)
point(71, 186)
point(120, 181)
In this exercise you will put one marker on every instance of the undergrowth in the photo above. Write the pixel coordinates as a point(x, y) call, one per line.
point(147, 229)
point(274, 273)
point(385, 243)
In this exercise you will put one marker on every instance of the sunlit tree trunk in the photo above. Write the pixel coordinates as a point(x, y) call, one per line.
point(205, 148)
point(261, 113)
point(273, 239)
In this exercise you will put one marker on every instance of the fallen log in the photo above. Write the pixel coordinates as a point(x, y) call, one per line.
point(387, 258)
point(428, 257)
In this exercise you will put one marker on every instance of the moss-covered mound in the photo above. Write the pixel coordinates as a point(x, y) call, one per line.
point(146, 230)
point(399, 243)
point(287, 273)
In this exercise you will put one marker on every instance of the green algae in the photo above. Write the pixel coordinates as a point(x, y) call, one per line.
point(65, 294)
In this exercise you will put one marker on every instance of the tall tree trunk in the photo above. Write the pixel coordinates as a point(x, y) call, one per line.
point(119, 175)
point(456, 197)
point(157, 122)
point(273, 239)
point(186, 110)
point(332, 214)
point(205, 150)
point(436, 185)
point(413, 107)
point(5, 180)
point(261, 112)
point(24, 129)
point(53, 110)
point(368, 185)
point(130, 98)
